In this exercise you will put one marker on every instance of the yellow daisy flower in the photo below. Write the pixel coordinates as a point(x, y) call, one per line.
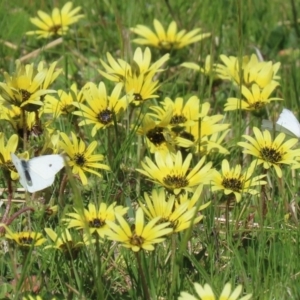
point(95, 219)
point(233, 180)
point(255, 98)
point(23, 89)
point(206, 293)
point(65, 104)
point(252, 70)
point(174, 174)
point(213, 144)
point(103, 110)
point(120, 70)
point(170, 39)
point(30, 121)
point(180, 216)
point(81, 159)
point(268, 152)
point(156, 133)
point(197, 135)
point(25, 239)
point(142, 87)
point(5, 158)
point(183, 114)
point(141, 235)
point(56, 24)
point(64, 242)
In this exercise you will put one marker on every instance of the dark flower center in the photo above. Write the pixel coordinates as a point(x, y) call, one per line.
point(25, 95)
point(233, 184)
point(187, 136)
point(257, 105)
point(136, 240)
point(79, 159)
point(105, 116)
point(26, 240)
point(178, 119)
point(271, 155)
point(96, 223)
point(175, 181)
point(137, 97)
point(55, 28)
point(156, 136)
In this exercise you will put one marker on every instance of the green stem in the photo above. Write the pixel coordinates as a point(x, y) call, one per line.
point(142, 276)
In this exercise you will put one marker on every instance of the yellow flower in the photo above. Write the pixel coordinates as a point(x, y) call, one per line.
point(183, 114)
point(94, 219)
point(174, 174)
point(31, 121)
point(170, 39)
point(103, 110)
point(270, 153)
point(206, 293)
point(140, 236)
point(64, 242)
point(255, 98)
point(156, 133)
point(81, 159)
point(120, 70)
point(180, 216)
point(65, 104)
point(56, 24)
point(197, 135)
point(23, 89)
point(25, 239)
point(233, 180)
point(248, 71)
point(5, 158)
point(142, 87)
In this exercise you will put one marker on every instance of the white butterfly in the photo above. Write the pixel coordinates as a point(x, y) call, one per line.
point(286, 123)
point(39, 172)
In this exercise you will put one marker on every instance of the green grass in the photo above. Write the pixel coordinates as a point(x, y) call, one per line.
point(262, 253)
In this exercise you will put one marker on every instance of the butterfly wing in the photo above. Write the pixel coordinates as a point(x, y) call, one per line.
point(288, 121)
point(20, 169)
point(40, 171)
point(46, 166)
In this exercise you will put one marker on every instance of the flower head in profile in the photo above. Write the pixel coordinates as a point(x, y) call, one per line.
point(156, 133)
point(180, 216)
point(254, 98)
point(119, 70)
point(25, 239)
point(248, 70)
point(102, 110)
point(57, 23)
point(64, 242)
point(184, 113)
point(5, 150)
point(23, 89)
point(80, 157)
point(64, 105)
point(270, 153)
point(197, 135)
point(233, 180)
point(141, 235)
point(174, 174)
point(94, 219)
point(206, 293)
point(167, 39)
